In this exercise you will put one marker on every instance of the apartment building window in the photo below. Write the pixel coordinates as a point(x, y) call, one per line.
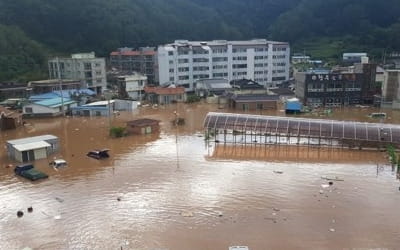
point(96, 65)
point(183, 69)
point(219, 51)
point(88, 75)
point(183, 52)
point(196, 60)
point(183, 78)
point(239, 66)
point(258, 65)
point(200, 52)
point(183, 60)
point(259, 72)
point(98, 80)
point(171, 79)
point(259, 57)
point(220, 75)
point(87, 66)
point(279, 78)
point(220, 66)
point(170, 53)
point(200, 68)
point(171, 62)
point(239, 73)
point(239, 50)
point(220, 59)
point(98, 73)
point(259, 49)
point(238, 58)
point(171, 70)
point(201, 76)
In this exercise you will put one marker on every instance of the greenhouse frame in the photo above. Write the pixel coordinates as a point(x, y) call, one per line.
point(258, 129)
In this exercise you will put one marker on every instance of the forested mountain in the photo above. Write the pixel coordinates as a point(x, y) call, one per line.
point(65, 26)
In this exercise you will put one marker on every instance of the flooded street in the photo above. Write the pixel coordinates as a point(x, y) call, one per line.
point(149, 196)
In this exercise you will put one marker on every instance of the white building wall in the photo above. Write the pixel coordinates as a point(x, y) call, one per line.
point(74, 68)
point(39, 109)
point(273, 70)
point(40, 153)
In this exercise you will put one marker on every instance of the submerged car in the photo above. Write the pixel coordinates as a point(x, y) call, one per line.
point(29, 172)
point(59, 163)
point(99, 154)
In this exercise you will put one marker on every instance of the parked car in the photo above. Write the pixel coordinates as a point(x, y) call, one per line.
point(58, 163)
point(99, 154)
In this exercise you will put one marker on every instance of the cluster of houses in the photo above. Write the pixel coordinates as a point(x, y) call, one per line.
point(244, 75)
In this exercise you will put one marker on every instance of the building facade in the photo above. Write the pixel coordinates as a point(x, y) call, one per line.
point(327, 89)
point(85, 67)
point(184, 62)
point(132, 86)
point(142, 61)
point(391, 89)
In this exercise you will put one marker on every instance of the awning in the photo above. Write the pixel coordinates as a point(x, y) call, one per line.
point(31, 146)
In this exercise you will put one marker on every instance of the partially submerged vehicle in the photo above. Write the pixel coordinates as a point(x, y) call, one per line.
point(99, 154)
point(379, 115)
point(58, 163)
point(29, 172)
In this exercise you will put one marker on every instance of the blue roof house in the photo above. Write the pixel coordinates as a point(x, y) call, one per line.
point(48, 107)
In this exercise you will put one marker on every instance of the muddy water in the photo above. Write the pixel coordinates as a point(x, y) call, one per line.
point(201, 198)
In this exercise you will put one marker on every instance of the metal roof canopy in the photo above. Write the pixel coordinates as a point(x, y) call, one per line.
point(32, 139)
point(31, 146)
point(361, 131)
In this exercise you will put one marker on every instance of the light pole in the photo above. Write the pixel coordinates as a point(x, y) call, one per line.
point(108, 96)
point(60, 86)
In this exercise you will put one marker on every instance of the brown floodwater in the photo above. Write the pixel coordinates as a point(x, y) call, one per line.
point(206, 196)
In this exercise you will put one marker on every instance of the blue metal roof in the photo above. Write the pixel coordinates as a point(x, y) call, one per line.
point(55, 102)
point(67, 93)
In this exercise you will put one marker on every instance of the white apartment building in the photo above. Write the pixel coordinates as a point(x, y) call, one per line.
point(85, 67)
point(132, 85)
point(184, 62)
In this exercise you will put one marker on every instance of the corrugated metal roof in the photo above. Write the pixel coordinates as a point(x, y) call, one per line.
point(31, 146)
point(32, 139)
point(55, 102)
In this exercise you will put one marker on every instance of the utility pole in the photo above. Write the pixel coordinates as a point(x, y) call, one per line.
point(60, 86)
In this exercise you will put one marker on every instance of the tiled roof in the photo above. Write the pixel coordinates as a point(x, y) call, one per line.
point(125, 53)
point(143, 122)
point(165, 91)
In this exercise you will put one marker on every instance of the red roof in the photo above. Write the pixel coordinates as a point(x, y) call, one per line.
point(149, 53)
point(125, 53)
point(165, 91)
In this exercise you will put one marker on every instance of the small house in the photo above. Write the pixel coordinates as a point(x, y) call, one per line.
point(167, 95)
point(32, 148)
point(9, 119)
point(254, 101)
point(100, 108)
point(143, 126)
point(48, 107)
point(214, 86)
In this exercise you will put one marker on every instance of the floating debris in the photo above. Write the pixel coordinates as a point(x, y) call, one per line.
point(20, 214)
point(278, 172)
point(57, 217)
point(59, 199)
point(30, 209)
point(335, 178)
point(332, 230)
point(324, 185)
point(187, 214)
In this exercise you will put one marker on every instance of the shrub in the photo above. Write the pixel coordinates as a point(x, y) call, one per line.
point(117, 131)
point(192, 99)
